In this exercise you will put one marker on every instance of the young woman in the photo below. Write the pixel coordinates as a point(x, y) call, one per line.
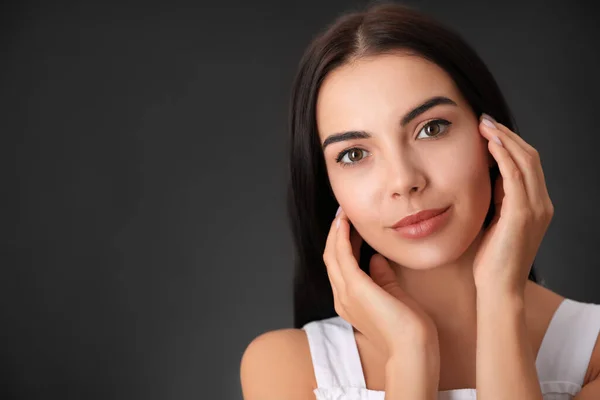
point(423, 285)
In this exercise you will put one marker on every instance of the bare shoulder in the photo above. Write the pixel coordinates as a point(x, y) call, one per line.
point(593, 371)
point(278, 365)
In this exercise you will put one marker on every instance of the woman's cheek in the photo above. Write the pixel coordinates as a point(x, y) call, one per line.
point(470, 172)
point(359, 199)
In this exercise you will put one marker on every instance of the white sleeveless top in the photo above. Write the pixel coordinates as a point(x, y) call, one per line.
point(561, 363)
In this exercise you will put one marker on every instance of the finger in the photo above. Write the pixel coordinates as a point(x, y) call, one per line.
point(332, 268)
point(348, 265)
point(355, 242)
point(525, 157)
point(520, 157)
point(542, 189)
point(381, 273)
point(512, 177)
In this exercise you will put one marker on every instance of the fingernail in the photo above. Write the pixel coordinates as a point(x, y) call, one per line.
point(488, 120)
point(488, 116)
point(338, 211)
point(497, 140)
point(337, 224)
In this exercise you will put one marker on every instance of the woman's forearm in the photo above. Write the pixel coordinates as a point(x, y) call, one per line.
point(505, 360)
point(413, 373)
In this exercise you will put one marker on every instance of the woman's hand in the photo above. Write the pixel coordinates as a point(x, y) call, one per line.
point(375, 305)
point(523, 214)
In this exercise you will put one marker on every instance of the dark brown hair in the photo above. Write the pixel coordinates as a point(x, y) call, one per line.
point(381, 28)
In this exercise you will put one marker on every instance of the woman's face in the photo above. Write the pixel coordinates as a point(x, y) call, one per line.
point(403, 168)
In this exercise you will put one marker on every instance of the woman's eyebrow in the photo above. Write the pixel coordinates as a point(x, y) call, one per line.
point(414, 113)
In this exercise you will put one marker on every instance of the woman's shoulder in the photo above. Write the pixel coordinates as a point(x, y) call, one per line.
point(277, 365)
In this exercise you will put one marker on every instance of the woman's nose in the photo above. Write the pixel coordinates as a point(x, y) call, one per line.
point(404, 177)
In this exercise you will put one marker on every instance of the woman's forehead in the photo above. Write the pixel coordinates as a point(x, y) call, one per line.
point(380, 85)
point(397, 75)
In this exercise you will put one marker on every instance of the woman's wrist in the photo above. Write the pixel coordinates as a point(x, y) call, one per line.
point(413, 372)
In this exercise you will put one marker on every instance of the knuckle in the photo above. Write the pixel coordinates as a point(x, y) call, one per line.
point(540, 214)
point(535, 154)
point(546, 212)
point(530, 160)
point(336, 307)
point(550, 210)
point(328, 257)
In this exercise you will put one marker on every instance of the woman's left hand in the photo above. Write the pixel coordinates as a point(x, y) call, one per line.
point(523, 214)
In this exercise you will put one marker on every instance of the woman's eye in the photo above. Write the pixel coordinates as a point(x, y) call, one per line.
point(432, 131)
point(350, 156)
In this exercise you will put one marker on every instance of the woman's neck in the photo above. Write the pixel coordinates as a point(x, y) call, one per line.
point(447, 293)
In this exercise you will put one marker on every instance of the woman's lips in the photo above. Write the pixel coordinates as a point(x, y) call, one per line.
point(425, 227)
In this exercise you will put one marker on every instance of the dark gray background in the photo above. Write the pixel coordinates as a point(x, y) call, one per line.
point(144, 230)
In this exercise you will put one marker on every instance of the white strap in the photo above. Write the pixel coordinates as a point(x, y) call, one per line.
point(567, 346)
point(334, 353)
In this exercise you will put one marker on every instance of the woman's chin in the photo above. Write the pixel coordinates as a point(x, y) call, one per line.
point(446, 249)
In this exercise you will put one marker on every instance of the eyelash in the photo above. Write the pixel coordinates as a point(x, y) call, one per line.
point(439, 135)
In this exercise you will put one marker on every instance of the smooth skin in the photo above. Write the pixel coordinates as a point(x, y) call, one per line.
point(435, 286)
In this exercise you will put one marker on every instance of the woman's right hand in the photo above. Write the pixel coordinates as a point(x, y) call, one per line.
point(376, 305)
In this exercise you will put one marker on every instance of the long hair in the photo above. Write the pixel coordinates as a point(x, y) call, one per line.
point(381, 28)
